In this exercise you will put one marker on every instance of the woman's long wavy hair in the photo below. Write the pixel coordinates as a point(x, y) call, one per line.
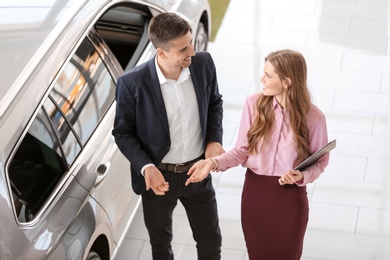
point(292, 65)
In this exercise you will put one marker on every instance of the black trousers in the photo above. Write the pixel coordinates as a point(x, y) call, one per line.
point(200, 204)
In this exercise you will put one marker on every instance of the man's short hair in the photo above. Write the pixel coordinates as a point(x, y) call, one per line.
point(166, 27)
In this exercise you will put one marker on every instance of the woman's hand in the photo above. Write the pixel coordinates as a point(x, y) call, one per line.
point(291, 177)
point(199, 171)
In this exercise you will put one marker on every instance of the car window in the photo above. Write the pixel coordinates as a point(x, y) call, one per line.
point(36, 168)
point(83, 93)
point(80, 97)
point(67, 138)
point(125, 31)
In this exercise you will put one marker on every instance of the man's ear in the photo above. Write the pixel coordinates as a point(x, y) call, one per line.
point(160, 52)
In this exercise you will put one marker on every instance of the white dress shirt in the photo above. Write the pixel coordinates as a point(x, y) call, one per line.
point(183, 117)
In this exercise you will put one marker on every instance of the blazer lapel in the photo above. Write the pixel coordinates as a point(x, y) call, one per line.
point(198, 86)
point(155, 89)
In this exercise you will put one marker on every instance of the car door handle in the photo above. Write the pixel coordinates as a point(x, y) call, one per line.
point(101, 172)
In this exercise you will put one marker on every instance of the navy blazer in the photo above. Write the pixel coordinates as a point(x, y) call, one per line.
point(141, 128)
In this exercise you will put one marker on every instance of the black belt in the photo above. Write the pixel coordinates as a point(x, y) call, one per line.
point(178, 167)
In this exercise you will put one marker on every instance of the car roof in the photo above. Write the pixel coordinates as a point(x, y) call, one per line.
point(27, 30)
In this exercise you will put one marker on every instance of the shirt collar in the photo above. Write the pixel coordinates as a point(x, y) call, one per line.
point(184, 75)
point(276, 104)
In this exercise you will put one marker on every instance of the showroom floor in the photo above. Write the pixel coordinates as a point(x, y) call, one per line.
point(345, 43)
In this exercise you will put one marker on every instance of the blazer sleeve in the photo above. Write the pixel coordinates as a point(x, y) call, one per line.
point(214, 115)
point(125, 131)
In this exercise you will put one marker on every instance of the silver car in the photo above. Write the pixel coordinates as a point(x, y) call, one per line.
point(65, 189)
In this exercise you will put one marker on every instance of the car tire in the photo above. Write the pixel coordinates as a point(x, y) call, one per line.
point(201, 38)
point(92, 255)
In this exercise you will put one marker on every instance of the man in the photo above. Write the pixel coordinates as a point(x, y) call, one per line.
point(168, 116)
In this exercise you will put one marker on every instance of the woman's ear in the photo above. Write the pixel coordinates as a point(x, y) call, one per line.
point(287, 82)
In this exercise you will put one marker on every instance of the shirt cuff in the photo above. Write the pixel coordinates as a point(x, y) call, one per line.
point(301, 183)
point(143, 168)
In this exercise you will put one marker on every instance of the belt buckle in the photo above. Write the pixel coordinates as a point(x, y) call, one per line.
point(178, 165)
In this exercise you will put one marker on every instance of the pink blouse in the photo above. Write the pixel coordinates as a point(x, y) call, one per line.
point(278, 156)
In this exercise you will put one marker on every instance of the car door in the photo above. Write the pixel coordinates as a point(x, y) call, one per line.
point(120, 34)
point(46, 197)
point(84, 94)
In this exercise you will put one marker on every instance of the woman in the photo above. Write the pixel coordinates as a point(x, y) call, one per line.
point(279, 129)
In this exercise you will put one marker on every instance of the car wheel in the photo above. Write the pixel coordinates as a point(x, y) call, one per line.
point(201, 38)
point(93, 256)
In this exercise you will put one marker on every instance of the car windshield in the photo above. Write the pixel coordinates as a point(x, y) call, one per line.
point(25, 29)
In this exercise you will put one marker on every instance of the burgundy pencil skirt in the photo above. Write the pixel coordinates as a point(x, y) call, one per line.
point(274, 218)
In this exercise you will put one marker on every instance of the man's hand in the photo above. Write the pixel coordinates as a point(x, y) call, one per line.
point(213, 149)
point(199, 171)
point(155, 180)
point(291, 177)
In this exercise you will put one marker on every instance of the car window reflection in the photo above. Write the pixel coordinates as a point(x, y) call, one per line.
point(74, 108)
point(36, 168)
point(83, 92)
